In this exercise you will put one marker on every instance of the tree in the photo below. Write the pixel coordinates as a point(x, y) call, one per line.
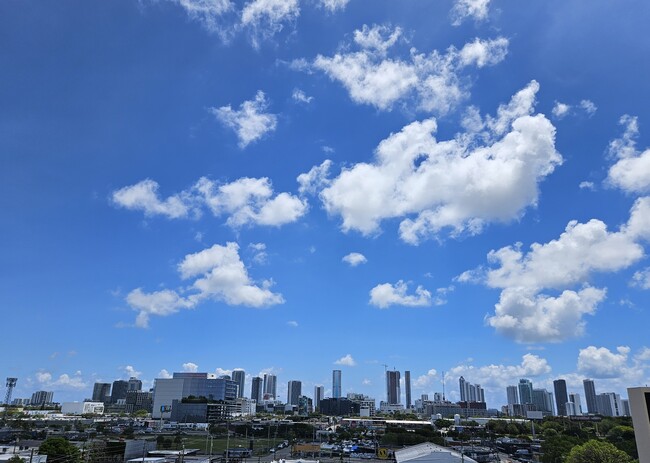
point(595, 451)
point(60, 450)
point(15, 459)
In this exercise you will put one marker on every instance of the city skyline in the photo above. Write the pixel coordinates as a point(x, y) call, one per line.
point(455, 186)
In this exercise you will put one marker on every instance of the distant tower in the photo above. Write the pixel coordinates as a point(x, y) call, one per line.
point(462, 386)
point(590, 396)
point(270, 386)
point(561, 396)
point(392, 387)
point(294, 391)
point(525, 391)
point(513, 397)
point(336, 384)
point(407, 388)
point(239, 376)
point(256, 389)
point(11, 384)
point(319, 394)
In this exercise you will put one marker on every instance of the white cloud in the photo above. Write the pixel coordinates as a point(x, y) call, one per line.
point(431, 81)
point(268, 17)
point(250, 122)
point(366, 382)
point(43, 377)
point(440, 297)
point(164, 374)
point(641, 278)
point(378, 38)
point(246, 201)
point(334, 5)
point(190, 367)
point(386, 295)
point(292, 323)
point(160, 303)
point(602, 363)
point(631, 172)
point(316, 179)
point(499, 376)
point(589, 107)
point(354, 259)
point(260, 256)
point(143, 196)
point(587, 185)
point(222, 372)
point(528, 315)
point(218, 273)
point(560, 109)
point(483, 53)
point(300, 96)
point(209, 13)
point(131, 372)
point(426, 381)
point(250, 201)
point(64, 381)
point(346, 360)
point(475, 9)
point(488, 175)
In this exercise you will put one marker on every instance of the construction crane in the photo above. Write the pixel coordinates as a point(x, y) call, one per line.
point(11, 384)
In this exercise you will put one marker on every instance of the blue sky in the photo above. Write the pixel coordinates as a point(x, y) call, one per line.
point(301, 185)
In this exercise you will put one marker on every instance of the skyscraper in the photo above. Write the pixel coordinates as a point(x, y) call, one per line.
point(42, 398)
point(134, 384)
point(270, 386)
point(239, 376)
point(256, 389)
point(462, 389)
point(102, 392)
point(407, 388)
point(120, 387)
point(575, 399)
point(319, 394)
point(392, 387)
point(561, 396)
point(525, 391)
point(590, 396)
point(294, 391)
point(513, 397)
point(336, 384)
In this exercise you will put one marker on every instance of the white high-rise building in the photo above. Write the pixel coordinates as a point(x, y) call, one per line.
point(513, 397)
point(270, 387)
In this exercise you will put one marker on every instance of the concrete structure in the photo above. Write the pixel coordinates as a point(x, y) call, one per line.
point(430, 453)
point(470, 392)
point(513, 397)
point(609, 404)
point(101, 392)
point(366, 404)
point(590, 396)
point(239, 376)
point(319, 394)
point(339, 407)
point(407, 388)
point(392, 387)
point(256, 389)
point(577, 402)
point(82, 408)
point(336, 384)
point(561, 396)
point(119, 390)
point(138, 400)
point(294, 391)
point(525, 391)
point(134, 384)
point(270, 387)
point(639, 398)
point(42, 398)
point(543, 401)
